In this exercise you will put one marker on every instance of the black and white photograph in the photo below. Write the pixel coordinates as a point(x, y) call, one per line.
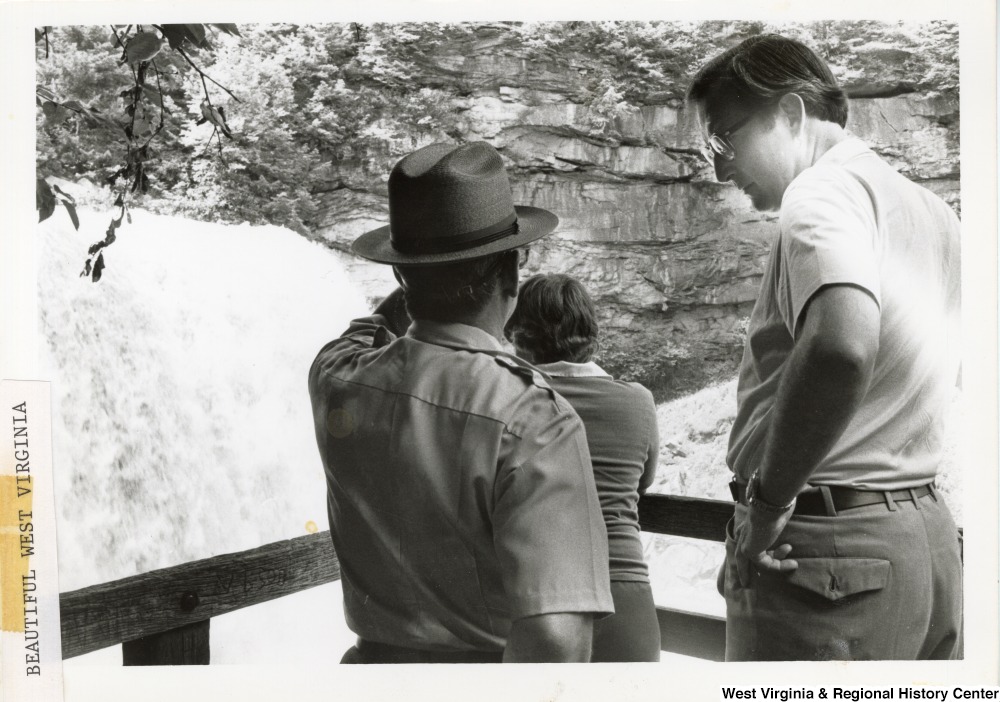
point(450, 341)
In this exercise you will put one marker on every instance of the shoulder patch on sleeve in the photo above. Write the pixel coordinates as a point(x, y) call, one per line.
point(525, 369)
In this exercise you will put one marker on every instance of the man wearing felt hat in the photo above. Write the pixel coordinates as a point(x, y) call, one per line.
point(460, 493)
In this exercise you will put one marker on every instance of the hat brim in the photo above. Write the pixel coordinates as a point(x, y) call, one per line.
point(532, 223)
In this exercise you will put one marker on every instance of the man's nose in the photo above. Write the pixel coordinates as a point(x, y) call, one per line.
point(723, 169)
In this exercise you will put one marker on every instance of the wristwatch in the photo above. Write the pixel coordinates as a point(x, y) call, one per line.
point(755, 502)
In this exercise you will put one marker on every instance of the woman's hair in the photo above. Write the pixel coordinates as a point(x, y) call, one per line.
point(554, 320)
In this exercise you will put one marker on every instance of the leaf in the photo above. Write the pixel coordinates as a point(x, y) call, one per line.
point(195, 33)
point(176, 34)
point(228, 29)
point(45, 201)
point(71, 208)
point(64, 196)
point(39, 33)
point(55, 114)
point(143, 47)
point(86, 268)
point(98, 267)
point(152, 92)
point(142, 126)
point(70, 204)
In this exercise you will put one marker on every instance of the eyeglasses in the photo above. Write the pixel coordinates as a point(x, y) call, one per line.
point(719, 144)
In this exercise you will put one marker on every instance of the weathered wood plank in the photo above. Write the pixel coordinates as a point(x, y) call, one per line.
point(690, 634)
point(185, 645)
point(107, 614)
point(191, 593)
point(694, 517)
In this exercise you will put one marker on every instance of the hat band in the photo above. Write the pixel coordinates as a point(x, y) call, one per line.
point(458, 242)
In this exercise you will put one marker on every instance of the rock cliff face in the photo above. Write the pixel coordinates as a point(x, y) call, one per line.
point(672, 258)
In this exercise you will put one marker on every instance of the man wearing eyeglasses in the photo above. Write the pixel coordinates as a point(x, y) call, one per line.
point(840, 547)
point(460, 490)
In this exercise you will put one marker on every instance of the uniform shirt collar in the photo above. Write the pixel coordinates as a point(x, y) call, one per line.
point(453, 335)
point(565, 369)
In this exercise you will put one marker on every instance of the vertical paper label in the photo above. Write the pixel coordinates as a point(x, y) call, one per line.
point(29, 576)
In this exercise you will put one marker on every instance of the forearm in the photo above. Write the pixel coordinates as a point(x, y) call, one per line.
point(818, 394)
point(564, 637)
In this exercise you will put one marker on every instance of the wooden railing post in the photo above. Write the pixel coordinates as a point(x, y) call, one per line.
point(185, 645)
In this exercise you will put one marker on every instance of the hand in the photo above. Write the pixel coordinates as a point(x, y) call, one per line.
point(755, 539)
point(393, 308)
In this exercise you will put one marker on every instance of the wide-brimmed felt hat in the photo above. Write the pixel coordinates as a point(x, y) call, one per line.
point(450, 202)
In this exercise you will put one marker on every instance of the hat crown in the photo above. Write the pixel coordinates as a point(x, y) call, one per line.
point(448, 197)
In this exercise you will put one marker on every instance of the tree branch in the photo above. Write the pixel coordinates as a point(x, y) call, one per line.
point(204, 76)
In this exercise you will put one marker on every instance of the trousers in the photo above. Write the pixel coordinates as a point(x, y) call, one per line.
point(372, 652)
point(873, 583)
point(632, 633)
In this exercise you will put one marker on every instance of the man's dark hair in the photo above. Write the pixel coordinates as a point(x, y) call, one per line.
point(758, 71)
point(554, 320)
point(450, 291)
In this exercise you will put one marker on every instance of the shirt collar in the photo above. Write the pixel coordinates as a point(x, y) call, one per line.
point(453, 335)
point(842, 152)
point(565, 369)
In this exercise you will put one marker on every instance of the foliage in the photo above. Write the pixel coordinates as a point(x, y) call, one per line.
point(313, 109)
point(92, 106)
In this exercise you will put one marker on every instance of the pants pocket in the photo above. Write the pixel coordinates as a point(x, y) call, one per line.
point(837, 578)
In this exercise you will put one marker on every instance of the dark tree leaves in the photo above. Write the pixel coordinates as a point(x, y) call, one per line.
point(142, 47)
point(45, 200)
point(98, 268)
point(181, 35)
point(70, 204)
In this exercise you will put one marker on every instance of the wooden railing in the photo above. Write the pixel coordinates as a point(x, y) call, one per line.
point(162, 617)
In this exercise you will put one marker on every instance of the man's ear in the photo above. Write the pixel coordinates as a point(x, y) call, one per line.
point(793, 109)
point(509, 273)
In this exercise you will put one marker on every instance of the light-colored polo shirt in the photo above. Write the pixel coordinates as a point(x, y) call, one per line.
point(460, 491)
point(851, 219)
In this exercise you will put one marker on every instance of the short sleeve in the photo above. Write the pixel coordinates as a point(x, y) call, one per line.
point(828, 237)
point(549, 534)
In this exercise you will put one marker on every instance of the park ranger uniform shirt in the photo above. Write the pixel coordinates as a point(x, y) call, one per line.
point(460, 491)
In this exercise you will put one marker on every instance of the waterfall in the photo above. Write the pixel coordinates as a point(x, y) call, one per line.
point(182, 426)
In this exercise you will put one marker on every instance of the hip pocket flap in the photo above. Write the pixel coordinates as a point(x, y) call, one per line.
point(836, 578)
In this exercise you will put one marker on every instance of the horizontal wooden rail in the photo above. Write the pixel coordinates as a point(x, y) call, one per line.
point(163, 616)
point(693, 517)
point(172, 599)
point(104, 615)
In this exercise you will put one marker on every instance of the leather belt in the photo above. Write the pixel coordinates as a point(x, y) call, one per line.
point(830, 500)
